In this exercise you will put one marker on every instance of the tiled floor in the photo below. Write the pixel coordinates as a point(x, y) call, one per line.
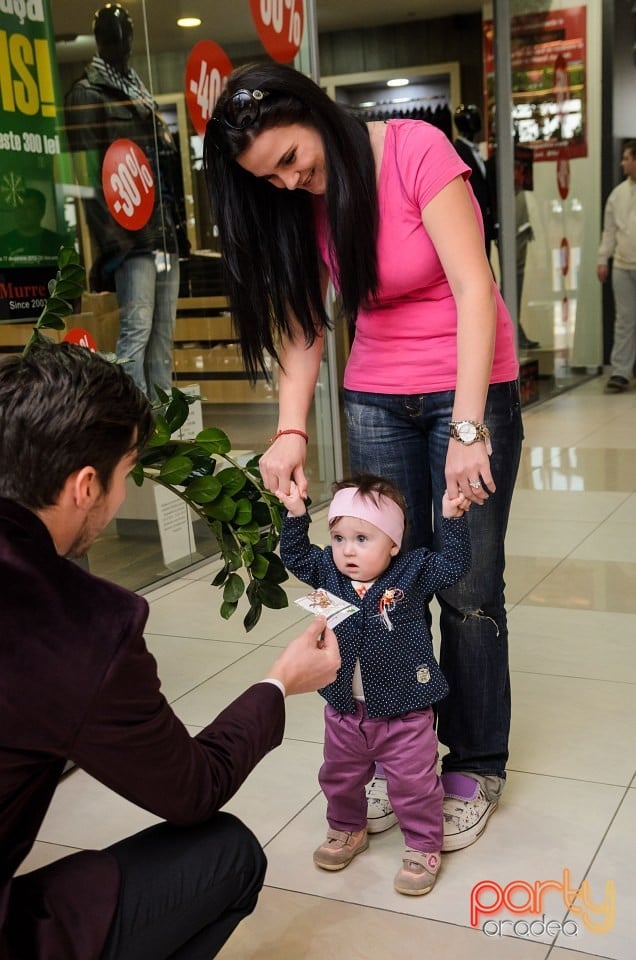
point(571, 789)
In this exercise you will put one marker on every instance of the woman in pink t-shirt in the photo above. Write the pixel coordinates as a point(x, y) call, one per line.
point(303, 192)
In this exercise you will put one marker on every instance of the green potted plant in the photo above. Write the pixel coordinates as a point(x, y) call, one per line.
point(229, 497)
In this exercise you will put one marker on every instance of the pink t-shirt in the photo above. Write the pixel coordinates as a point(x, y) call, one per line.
point(407, 342)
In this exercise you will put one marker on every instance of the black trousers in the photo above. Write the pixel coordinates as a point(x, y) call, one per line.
point(184, 889)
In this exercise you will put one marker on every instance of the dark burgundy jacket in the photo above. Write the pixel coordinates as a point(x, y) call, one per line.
point(77, 682)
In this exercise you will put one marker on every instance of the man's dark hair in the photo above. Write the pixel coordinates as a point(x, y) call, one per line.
point(62, 408)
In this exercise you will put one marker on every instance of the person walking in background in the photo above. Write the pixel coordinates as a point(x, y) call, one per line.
point(379, 708)
point(29, 242)
point(303, 191)
point(619, 242)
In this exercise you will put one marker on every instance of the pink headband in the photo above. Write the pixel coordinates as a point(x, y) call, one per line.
point(382, 512)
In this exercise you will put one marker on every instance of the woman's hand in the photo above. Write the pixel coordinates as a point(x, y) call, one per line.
point(284, 462)
point(468, 471)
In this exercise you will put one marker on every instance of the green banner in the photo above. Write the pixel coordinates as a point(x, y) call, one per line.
point(31, 200)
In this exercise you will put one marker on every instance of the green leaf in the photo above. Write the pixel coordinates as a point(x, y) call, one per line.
point(214, 440)
point(137, 473)
point(66, 256)
point(51, 321)
point(260, 512)
point(232, 479)
point(58, 306)
point(161, 433)
point(249, 533)
point(272, 596)
point(234, 588)
point(68, 289)
point(202, 489)
point(175, 470)
point(252, 616)
point(243, 514)
point(247, 555)
point(227, 609)
point(260, 567)
point(177, 413)
point(222, 509)
point(162, 395)
point(221, 577)
point(276, 572)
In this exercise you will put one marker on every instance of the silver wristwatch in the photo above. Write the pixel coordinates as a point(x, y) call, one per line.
point(469, 431)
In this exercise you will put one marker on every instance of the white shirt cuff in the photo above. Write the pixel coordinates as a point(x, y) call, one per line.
point(276, 683)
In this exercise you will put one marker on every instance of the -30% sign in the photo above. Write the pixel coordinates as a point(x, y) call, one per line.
point(279, 24)
point(128, 184)
point(207, 70)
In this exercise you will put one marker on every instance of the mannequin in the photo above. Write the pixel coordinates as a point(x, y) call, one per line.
point(468, 123)
point(110, 102)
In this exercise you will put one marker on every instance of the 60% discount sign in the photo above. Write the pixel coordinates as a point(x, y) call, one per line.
point(128, 184)
point(279, 24)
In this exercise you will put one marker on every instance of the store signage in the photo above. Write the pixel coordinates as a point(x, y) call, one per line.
point(549, 77)
point(279, 24)
point(207, 70)
point(81, 337)
point(128, 184)
point(31, 148)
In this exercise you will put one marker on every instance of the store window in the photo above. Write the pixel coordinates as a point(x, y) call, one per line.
point(103, 115)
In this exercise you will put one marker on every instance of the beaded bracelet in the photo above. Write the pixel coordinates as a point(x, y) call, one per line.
point(281, 433)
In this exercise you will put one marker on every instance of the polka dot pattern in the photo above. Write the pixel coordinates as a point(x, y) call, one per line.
point(389, 635)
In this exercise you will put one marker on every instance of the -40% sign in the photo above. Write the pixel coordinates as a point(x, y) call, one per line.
point(128, 184)
point(207, 70)
point(280, 26)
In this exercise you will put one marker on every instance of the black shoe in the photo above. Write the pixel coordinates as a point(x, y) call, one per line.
point(525, 344)
point(616, 384)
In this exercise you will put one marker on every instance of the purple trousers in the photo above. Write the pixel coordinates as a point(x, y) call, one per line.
point(406, 746)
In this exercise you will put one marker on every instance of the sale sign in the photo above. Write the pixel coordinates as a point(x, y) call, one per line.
point(279, 24)
point(128, 184)
point(207, 70)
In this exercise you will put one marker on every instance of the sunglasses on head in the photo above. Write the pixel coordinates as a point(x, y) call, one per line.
point(241, 110)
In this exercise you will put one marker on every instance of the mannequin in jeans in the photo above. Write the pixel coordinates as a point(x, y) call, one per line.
point(110, 102)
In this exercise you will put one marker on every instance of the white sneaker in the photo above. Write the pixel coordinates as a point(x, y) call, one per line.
point(380, 816)
point(465, 820)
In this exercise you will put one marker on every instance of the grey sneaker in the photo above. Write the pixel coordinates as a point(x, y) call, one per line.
point(418, 873)
point(467, 808)
point(380, 816)
point(339, 849)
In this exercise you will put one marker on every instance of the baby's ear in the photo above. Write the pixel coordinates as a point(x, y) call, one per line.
point(395, 550)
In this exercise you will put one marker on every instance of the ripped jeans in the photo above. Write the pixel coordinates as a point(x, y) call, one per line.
point(405, 438)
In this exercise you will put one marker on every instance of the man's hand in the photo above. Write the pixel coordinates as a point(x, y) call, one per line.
point(602, 272)
point(310, 661)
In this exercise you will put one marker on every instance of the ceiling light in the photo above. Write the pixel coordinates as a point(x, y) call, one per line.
point(400, 99)
point(399, 82)
point(368, 103)
point(189, 22)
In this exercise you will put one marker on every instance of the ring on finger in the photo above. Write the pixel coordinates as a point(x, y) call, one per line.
point(474, 484)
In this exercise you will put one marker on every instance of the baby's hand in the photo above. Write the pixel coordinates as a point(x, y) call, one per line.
point(293, 501)
point(453, 507)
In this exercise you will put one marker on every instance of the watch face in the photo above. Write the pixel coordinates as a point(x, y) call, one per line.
point(467, 432)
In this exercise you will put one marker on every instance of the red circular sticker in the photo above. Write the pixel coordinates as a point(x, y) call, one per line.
point(279, 24)
point(563, 173)
point(206, 74)
point(128, 184)
point(81, 337)
point(564, 256)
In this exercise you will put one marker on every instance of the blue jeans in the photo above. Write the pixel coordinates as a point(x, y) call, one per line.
point(405, 438)
point(148, 306)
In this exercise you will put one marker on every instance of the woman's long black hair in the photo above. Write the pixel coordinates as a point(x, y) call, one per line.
point(267, 235)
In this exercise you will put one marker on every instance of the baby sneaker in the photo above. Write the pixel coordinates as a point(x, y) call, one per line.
point(339, 849)
point(418, 873)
